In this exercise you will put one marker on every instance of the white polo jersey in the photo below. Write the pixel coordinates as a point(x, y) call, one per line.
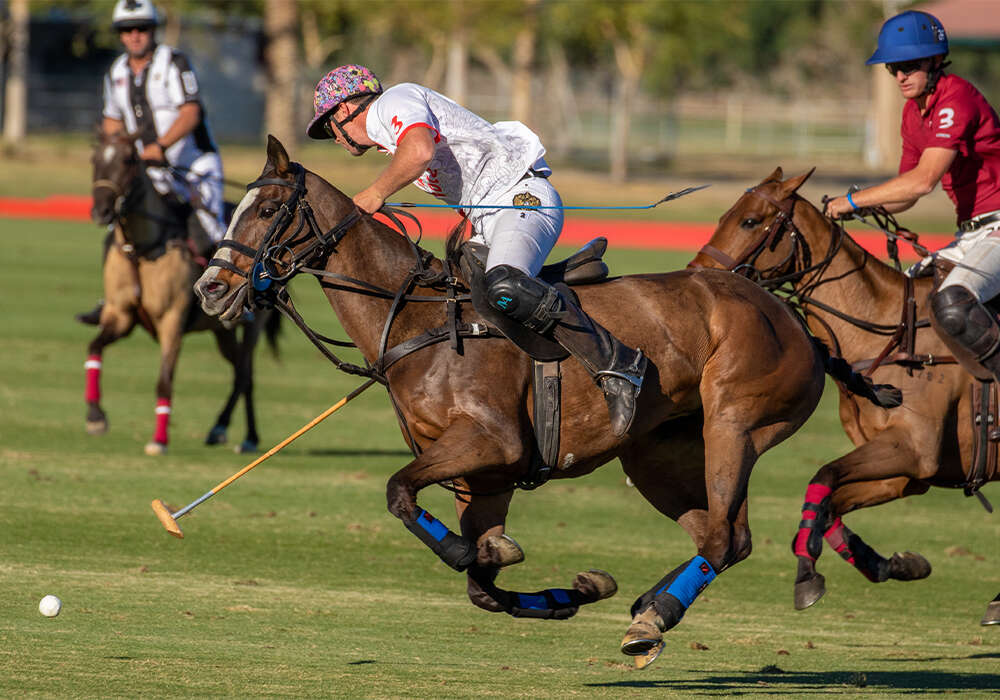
point(148, 102)
point(474, 159)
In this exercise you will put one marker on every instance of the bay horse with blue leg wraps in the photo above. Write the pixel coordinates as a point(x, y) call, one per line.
point(731, 374)
point(149, 271)
point(874, 317)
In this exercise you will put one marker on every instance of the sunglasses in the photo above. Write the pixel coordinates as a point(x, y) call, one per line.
point(142, 30)
point(906, 66)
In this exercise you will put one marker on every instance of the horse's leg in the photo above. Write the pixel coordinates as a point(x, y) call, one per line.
point(716, 519)
point(229, 348)
point(251, 334)
point(876, 472)
point(467, 449)
point(115, 323)
point(992, 616)
point(169, 329)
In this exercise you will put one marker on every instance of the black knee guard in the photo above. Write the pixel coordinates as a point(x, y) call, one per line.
point(527, 300)
point(959, 314)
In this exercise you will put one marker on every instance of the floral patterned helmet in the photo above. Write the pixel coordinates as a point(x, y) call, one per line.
point(336, 86)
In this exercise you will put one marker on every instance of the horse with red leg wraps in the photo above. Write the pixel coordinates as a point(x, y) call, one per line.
point(854, 303)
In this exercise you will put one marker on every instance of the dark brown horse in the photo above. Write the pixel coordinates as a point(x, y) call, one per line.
point(731, 374)
point(854, 303)
point(148, 273)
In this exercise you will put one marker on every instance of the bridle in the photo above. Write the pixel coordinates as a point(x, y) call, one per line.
point(126, 200)
point(276, 260)
point(798, 258)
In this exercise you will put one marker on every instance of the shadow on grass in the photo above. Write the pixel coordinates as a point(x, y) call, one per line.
point(795, 683)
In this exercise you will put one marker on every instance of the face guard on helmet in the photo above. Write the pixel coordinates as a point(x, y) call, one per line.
point(337, 86)
point(130, 14)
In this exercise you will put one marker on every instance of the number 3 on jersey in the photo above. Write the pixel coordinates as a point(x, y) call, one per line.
point(947, 116)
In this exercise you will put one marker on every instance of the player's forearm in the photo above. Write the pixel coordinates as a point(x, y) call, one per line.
point(187, 120)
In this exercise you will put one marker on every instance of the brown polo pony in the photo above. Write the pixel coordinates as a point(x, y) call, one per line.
point(854, 303)
point(731, 374)
point(148, 276)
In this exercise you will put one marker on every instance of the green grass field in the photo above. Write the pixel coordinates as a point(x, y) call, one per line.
point(296, 582)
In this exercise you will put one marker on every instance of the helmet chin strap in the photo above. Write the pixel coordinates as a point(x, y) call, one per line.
point(934, 75)
point(339, 125)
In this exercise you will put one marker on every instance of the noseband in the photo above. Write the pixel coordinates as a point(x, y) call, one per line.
point(277, 260)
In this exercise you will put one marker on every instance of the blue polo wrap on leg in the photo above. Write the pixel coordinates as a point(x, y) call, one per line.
point(690, 582)
point(454, 550)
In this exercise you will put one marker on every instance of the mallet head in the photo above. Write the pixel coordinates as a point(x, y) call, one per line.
point(166, 518)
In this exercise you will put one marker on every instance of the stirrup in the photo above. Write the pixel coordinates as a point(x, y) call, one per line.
point(622, 399)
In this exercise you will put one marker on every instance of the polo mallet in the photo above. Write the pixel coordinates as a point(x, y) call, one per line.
point(169, 520)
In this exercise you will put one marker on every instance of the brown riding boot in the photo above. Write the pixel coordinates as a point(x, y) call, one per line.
point(617, 368)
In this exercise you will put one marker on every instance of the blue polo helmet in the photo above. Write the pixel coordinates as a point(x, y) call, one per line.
point(908, 36)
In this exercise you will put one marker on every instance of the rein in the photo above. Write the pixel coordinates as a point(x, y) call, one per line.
point(126, 199)
point(275, 262)
point(799, 296)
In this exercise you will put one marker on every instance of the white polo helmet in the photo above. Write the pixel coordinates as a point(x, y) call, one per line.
point(133, 13)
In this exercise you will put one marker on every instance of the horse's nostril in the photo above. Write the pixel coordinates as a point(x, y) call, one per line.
point(213, 289)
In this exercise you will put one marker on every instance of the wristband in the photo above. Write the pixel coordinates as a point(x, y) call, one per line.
point(850, 201)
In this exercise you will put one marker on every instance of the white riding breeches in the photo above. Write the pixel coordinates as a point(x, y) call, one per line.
point(200, 182)
point(521, 238)
point(976, 255)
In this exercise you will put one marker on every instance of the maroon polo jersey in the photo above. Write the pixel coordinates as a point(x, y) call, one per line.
point(959, 118)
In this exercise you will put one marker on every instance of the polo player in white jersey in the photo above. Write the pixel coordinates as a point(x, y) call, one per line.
point(151, 91)
point(448, 151)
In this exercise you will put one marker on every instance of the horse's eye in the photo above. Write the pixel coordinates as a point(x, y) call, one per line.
point(266, 212)
point(749, 223)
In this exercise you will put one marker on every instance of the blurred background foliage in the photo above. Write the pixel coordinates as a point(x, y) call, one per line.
point(630, 87)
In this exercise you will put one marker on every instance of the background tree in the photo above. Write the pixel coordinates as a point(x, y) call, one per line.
point(281, 51)
point(15, 53)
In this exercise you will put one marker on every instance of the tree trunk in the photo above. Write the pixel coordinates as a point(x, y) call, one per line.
point(15, 104)
point(281, 52)
point(524, 60)
point(629, 69)
point(456, 77)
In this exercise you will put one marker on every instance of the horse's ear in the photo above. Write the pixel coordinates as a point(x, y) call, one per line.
point(790, 186)
point(277, 156)
point(773, 177)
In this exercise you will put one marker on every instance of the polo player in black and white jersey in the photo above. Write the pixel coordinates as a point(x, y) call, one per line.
point(151, 91)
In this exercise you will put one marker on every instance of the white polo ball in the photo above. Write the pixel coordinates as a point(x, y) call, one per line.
point(50, 606)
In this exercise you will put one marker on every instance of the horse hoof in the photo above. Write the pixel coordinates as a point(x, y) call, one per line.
point(216, 436)
point(809, 591)
point(908, 566)
point(992, 616)
point(649, 657)
point(595, 584)
point(155, 449)
point(245, 447)
point(644, 635)
point(500, 551)
point(97, 427)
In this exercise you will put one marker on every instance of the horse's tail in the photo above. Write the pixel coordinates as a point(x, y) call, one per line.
point(883, 395)
point(272, 328)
